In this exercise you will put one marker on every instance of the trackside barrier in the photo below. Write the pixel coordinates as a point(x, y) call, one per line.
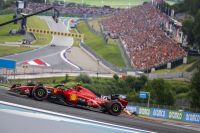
point(175, 115)
point(192, 117)
point(166, 114)
point(159, 113)
point(144, 111)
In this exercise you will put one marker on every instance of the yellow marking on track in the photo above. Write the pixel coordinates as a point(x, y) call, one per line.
point(40, 31)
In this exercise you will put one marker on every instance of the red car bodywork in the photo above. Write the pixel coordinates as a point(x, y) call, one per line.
point(26, 90)
point(75, 96)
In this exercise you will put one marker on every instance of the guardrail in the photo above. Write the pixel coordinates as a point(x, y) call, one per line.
point(166, 114)
point(187, 75)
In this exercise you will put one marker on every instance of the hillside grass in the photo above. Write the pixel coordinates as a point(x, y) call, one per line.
point(181, 88)
point(33, 22)
point(4, 30)
point(190, 66)
point(76, 41)
point(36, 22)
point(109, 52)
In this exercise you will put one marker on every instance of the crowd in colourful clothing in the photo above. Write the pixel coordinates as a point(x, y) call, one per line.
point(144, 40)
point(74, 9)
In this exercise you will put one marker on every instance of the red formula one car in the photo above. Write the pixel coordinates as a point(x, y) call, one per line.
point(77, 96)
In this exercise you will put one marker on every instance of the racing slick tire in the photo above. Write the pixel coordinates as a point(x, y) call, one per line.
point(39, 93)
point(114, 108)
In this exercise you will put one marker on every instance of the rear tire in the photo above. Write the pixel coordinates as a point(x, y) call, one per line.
point(114, 108)
point(39, 93)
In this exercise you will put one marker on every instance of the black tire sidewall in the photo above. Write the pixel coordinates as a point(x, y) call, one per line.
point(112, 106)
point(39, 93)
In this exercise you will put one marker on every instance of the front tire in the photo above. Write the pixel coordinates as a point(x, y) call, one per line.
point(39, 93)
point(114, 108)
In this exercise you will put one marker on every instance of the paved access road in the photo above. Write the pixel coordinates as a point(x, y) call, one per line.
point(119, 120)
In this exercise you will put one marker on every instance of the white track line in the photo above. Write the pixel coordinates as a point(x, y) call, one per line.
point(62, 56)
point(62, 52)
point(39, 57)
point(73, 117)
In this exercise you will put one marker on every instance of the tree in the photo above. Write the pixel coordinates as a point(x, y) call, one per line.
point(196, 28)
point(5, 4)
point(130, 80)
point(143, 79)
point(188, 30)
point(133, 97)
point(140, 82)
point(161, 92)
point(66, 79)
point(195, 93)
point(191, 27)
point(116, 77)
point(136, 83)
point(84, 78)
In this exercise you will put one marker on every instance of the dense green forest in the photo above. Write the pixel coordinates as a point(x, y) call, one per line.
point(191, 24)
point(191, 27)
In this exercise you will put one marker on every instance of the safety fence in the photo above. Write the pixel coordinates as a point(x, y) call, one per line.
point(166, 114)
point(92, 29)
point(187, 75)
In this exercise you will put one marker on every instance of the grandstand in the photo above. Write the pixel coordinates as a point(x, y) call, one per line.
point(71, 10)
point(148, 35)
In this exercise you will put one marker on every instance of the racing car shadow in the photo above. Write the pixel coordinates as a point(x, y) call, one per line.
point(17, 95)
point(76, 106)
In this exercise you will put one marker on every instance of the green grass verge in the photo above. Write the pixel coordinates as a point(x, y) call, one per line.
point(36, 22)
point(191, 65)
point(109, 52)
point(112, 3)
point(4, 30)
point(33, 22)
point(76, 41)
point(179, 83)
point(180, 87)
point(51, 81)
point(7, 50)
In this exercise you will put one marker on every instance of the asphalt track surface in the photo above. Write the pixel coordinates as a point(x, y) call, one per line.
point(51, 55)
point(34, 54)
point(119, 120)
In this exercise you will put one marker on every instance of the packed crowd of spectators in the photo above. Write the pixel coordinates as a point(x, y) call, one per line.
point(74, 9)
point(144, 40)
